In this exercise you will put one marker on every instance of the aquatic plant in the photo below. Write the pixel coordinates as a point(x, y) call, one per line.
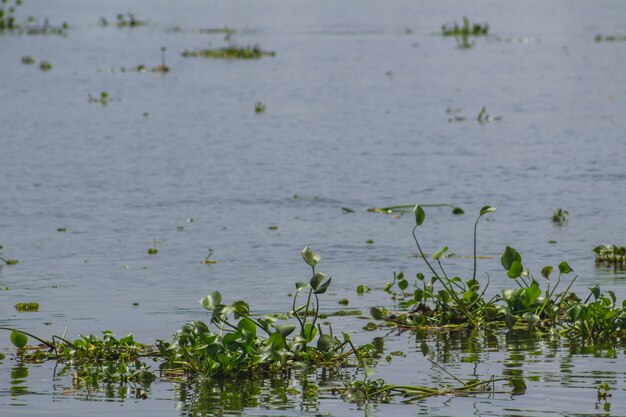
point(45, 66)
point(230, 52)
point(259, 107)
point(9, 23)
point(609, 38)
point(123, 20)
point(484, 117)
point(28, 59)
point(7, 14)
point(560, 216)
point(7, 261)
point(408, 208)
point(27, 307)
point(468, 29)
point(103, 99)
point(610, 254)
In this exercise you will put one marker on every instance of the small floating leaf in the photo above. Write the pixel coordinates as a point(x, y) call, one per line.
point(27, 306)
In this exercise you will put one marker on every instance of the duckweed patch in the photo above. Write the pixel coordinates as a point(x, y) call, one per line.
point(230, 52)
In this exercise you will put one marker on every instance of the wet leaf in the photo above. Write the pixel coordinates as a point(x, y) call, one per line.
point(284, 329)
point(377, 313)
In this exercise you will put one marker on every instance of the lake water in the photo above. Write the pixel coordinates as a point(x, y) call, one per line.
point(361, 102)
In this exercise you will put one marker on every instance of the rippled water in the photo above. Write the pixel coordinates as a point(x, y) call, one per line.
point(356, 117)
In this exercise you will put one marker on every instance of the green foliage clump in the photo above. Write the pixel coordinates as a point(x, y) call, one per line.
point(610, 254)
point(230, 52)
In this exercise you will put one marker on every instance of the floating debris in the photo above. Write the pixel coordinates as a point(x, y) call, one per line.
point(230, 52)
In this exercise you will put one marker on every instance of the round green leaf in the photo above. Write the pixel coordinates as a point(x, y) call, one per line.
point(564, 268)
point(546, 271)
point(18, 339)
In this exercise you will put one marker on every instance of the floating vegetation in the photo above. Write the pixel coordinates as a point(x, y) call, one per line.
point(208, 259)
point(484, 117)
point(234, 345)
point(8, 22)
point(28, 60)
point(123, 20)
point(27, 307)
point(458, 303)
point(103, 99)
point(230, 52)
point(259, 108)
point(61, 229)
point(153, 251)
point(610, 254)
point(362, 289)
point(45, 66)
point(609, 38)
point(7, 261)
point(560, 216)
point(408, 208)
point(463, 33)
point(468, 29)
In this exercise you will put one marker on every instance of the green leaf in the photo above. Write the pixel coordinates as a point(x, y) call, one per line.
point(457, 210)
point(310, 257)
point(326, 342)
point(316, 280)
point(420, 216)
point(377, 313)
point(309, 332)
point(369, 371)
point(18, 339)
point(247, 325)
point(509, 256)
point(533, 292)
point(444, 296)
point(564, 268)
point(424, 348)
point(439, 253)
point(546, 271)
point(487, 209)
point(595, 291)
point(322, 288)
point(211, 301)
point(346, 337)
point(515, 270)
point(284, 329)
point(574, 312)
point(531, 319)
point(403, 284)
point(301, 285)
